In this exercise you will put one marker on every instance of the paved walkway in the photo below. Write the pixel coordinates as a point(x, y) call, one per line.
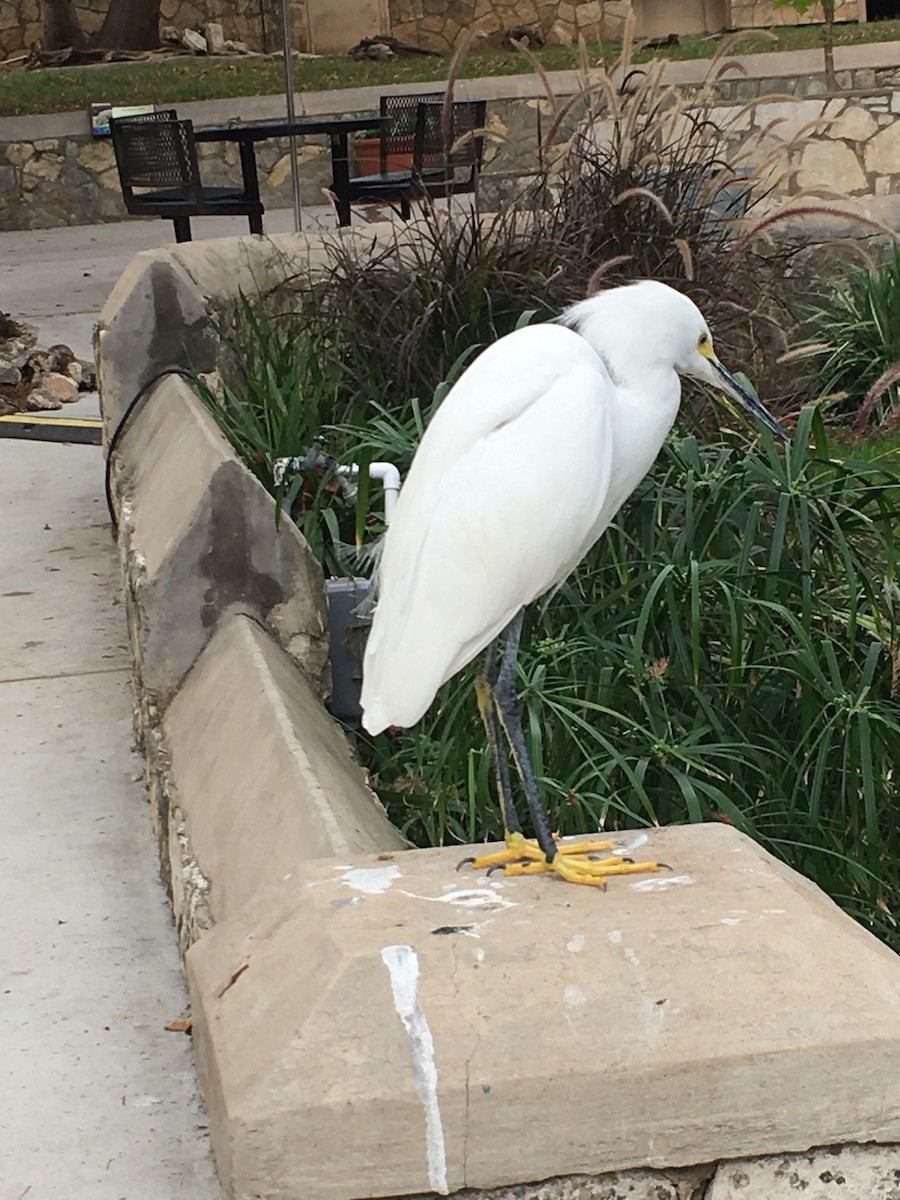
point(99, 1102)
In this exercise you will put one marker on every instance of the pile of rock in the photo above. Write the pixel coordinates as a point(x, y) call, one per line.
point(208, 39)
point(34, 377)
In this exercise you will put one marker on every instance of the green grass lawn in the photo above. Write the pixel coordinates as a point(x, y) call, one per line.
point(58, 90)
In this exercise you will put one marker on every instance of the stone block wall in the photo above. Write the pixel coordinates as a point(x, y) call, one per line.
point(758, 14)
point(442, 24)
point(256, 22)
point(20, 26)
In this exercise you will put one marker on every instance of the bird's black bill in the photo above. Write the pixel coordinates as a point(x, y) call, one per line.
point(754, 406)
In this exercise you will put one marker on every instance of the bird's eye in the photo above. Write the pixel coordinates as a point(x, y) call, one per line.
point(703, 339)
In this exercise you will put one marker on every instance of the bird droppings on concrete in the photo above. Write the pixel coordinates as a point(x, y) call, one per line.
point(635, 843)
point(574, 996)
point(575, 944)
point(371, 880)
point(469, 898)
point(402, 963)
point(661, 885)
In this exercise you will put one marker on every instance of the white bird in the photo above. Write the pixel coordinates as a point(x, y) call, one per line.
point(527, 460)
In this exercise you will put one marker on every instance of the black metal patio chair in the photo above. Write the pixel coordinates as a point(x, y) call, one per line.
point(160, 176)
point(443, 141)
point(397, 139)
point(449, 146)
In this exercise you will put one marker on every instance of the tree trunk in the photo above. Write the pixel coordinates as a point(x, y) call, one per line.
point(828, 44)
point(60, 27)
point(130, 25)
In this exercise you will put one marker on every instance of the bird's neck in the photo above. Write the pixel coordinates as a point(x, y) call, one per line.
point(643, 411)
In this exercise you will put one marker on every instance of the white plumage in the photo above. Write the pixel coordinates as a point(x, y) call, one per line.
point(526, 462)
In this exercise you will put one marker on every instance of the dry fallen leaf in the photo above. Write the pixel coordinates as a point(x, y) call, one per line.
point(182, 1025)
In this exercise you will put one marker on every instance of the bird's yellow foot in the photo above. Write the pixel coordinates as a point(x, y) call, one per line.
point(577, 862)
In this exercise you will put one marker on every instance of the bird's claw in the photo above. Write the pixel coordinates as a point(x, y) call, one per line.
point(579, 862)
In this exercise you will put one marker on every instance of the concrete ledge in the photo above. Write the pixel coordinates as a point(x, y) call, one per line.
point(376, 1027)
point(262, 779)
point(153, 318)
point(199, 541)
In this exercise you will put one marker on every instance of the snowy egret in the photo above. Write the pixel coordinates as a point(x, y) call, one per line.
point(521, 469)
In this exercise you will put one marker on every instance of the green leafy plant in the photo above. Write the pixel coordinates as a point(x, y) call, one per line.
point(856, 336)
point(281, 388)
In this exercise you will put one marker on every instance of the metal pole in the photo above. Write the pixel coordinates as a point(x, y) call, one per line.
point(289, 93)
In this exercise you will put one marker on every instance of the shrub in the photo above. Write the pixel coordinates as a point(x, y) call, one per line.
point(857, 331)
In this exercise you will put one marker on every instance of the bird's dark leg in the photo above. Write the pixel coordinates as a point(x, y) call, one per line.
point(507, 708)
point(586, 862)
point(484, 689)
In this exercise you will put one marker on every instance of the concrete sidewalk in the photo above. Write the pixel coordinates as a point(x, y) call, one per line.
point(99, 1101)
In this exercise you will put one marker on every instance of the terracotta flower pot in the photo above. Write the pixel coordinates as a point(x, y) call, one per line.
point(368, 155)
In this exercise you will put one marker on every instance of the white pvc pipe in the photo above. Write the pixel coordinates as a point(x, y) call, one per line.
point(387, 475)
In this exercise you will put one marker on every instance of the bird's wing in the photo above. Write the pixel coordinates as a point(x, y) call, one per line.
point(503, 382)
point(505, 518)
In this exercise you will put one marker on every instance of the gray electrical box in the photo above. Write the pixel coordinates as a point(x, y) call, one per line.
point(349, 618)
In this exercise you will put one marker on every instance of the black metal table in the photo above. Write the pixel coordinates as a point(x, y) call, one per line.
point(337, 128)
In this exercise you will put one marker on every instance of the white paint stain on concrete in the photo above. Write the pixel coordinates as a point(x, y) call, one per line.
point(574, 996)
point(615, 936)
point(628, 848)
point(654, 1018)
point(663, 884)
point(468, 898)
point(632, 957)
point(575, 944)
point(371, 880)
point(402, 963)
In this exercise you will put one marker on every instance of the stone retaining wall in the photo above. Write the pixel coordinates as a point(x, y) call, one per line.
point(444, 24)
point(68, 178)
